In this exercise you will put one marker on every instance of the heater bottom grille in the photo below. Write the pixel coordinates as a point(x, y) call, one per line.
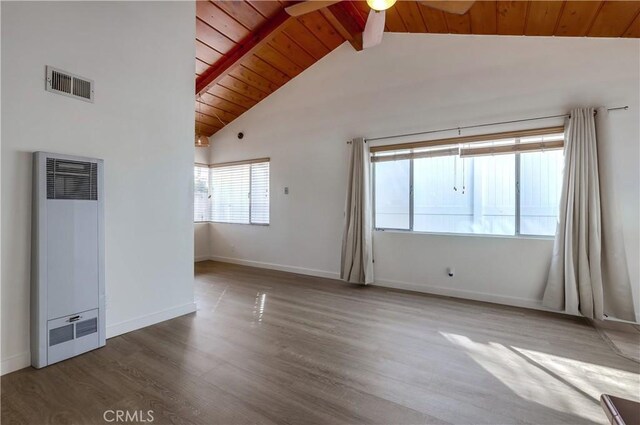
point(60, 335)
point(72, 335)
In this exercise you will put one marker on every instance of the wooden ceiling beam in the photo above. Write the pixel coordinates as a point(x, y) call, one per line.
point(347, 21)
point(245, 48)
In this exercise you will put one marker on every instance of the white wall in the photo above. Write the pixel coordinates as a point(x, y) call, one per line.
point(202, 155)
point(141, 124)
point(416, 82)
point(201, 240)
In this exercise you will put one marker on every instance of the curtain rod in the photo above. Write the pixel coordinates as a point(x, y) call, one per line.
point(618, 108)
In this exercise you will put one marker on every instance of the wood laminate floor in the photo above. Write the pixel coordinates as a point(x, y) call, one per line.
point(622, 337)
point(269, 347)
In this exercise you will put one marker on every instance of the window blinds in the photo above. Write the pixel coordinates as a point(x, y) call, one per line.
point(237, 193)
point(486, 144)
point(414, 154)
point(201, 210)
point(259, 193)
point(230, 193)
point(540, 143)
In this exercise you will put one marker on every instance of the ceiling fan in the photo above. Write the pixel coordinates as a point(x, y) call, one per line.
point(374, 28)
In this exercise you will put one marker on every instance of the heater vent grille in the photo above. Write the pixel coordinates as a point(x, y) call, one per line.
point(68, 179)
point(86, 327)
point(60, 335)
point(61, 82)
point(82, 88)
point(68, 84)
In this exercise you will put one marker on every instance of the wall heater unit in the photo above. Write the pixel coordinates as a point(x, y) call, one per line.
point(67, 283)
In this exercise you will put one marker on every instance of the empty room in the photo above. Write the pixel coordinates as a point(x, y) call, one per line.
point(383, 212)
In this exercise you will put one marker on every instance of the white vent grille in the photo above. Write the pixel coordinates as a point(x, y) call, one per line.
point(82, 88)
point(77, 180)
point(68, 84)
point(60, 82)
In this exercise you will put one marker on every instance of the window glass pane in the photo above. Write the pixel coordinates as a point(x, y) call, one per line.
point(440, 205)
point(392, 194)
point(201, 194)
point(260, 193)
point(495, 206)
point(465, 195)
point(230, 193)
point(540, 188)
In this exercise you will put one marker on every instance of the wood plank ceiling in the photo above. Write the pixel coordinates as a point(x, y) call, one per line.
point(246, 50)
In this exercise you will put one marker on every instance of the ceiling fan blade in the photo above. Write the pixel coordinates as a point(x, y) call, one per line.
point(373, 30)
point(308, 6)
point(451, 6)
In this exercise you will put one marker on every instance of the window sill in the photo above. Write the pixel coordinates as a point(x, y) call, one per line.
point(465, 235)
point(241, 224)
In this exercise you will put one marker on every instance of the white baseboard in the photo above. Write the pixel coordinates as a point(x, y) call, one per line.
point(464, 294)
point(281, 267)
point(15, 362)
point(449, 292)
point(22, 360)
point(534, 304)
point(426, 289)
point(149, 319)
point(613, 319)
point(202, 258)
point(480, 296)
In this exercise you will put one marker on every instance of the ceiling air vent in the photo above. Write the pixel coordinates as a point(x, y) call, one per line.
point(68, 84)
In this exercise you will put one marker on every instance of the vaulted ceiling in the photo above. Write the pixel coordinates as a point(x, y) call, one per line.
point(246, 50)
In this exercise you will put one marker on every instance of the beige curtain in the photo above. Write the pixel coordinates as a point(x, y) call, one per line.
point(588, 273)
point(357, 258)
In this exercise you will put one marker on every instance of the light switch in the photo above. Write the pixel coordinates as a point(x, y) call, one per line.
point(286, 190)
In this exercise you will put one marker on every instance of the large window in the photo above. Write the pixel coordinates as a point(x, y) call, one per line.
point(233, 192)
point(506, 186)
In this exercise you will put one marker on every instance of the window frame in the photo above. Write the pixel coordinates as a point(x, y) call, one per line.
point(517, 136)
point(230, 164)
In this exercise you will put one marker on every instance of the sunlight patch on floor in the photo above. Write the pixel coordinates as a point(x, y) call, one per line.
point(591, 378)
point(563, 384)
